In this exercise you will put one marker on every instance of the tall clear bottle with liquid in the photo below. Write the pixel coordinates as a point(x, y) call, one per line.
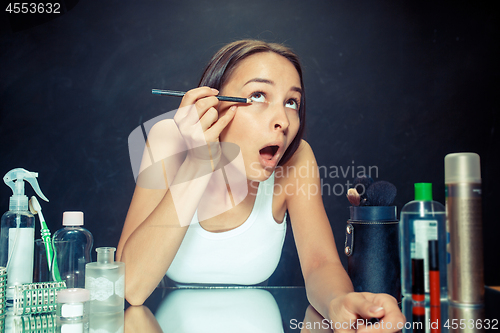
point(72, 251)
point(17, 233)
point(422, 220)
point(105, 279)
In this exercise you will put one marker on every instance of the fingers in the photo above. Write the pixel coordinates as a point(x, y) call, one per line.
point(198, 115)
point(365, 308)
point(392, 320)
point(342, 313)
point(221, 123)
point(193, 95)
point(195, 104)
point(198, 105)
point(376, 312)
point(204, 100)
point(386, 309)
point(199, 123)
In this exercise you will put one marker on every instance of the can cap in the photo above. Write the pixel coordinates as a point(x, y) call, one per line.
point(462, 167)
point(423, 191)
point(72, 218)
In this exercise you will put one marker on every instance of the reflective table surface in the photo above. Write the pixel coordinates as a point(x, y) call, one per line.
point(252, 309)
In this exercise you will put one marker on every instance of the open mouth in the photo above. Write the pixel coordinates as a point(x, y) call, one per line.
point(268, 152)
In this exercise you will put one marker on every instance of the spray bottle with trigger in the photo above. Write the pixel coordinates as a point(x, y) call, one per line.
point(17, 236)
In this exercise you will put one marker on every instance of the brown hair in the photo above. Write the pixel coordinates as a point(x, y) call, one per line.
point(225, 61)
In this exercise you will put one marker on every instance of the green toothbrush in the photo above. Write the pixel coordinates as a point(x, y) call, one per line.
point(35, 208)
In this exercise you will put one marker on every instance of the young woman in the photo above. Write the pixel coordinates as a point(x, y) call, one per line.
point(229, 177)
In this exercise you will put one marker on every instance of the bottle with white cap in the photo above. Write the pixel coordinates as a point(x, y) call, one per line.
point(73, 310)
point(72, 251)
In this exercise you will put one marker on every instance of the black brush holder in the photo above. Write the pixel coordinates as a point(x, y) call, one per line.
point(372, 247)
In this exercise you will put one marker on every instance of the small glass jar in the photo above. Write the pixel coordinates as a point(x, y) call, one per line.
point(73, 303)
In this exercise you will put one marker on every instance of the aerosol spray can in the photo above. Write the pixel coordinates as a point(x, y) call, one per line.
point(464, 227)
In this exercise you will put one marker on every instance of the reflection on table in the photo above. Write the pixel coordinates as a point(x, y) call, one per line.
point(219, 310)
point(48, 323)
point(252, 309)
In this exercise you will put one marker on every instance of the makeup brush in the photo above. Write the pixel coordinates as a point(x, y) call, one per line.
point(353, 197)
point(381, 193)
point(361, 185)
point(182, 93)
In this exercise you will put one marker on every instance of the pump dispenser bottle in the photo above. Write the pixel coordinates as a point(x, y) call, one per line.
point(17, 237)
point(72, 251)
point(422, 220)
point(106, 281)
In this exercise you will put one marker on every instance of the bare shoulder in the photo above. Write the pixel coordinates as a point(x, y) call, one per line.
point(303, 157)
point(303, 154)
point(299, 165)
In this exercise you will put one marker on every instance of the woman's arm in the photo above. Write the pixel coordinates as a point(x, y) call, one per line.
point(328, 286)
point(157, 219)
point(324, 275)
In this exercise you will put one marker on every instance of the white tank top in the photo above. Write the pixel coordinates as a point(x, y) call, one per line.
point(245, 255)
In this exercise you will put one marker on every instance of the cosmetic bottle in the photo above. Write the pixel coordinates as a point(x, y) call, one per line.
point(422, 220)
point(17, 237)
point(72, 251)
point(434, 283)
point(72, 310)
point(105, 279)
point(464, 225)
point(72, 304)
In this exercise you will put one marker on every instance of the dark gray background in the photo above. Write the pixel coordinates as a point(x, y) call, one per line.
point(394, 85)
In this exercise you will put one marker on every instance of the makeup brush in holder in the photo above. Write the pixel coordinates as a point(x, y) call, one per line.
point(372, 238)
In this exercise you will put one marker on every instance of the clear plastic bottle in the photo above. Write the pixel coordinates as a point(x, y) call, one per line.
point(72, 251)
point(17, 236)
point(106, 281)
point(422, 220)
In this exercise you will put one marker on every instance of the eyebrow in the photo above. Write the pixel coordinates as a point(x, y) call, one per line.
point(260, 80)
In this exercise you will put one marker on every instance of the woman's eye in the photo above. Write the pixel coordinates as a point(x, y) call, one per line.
point(292, 104)
point(258, 97)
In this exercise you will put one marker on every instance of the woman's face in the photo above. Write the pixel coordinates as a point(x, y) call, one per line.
point(264, 129)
